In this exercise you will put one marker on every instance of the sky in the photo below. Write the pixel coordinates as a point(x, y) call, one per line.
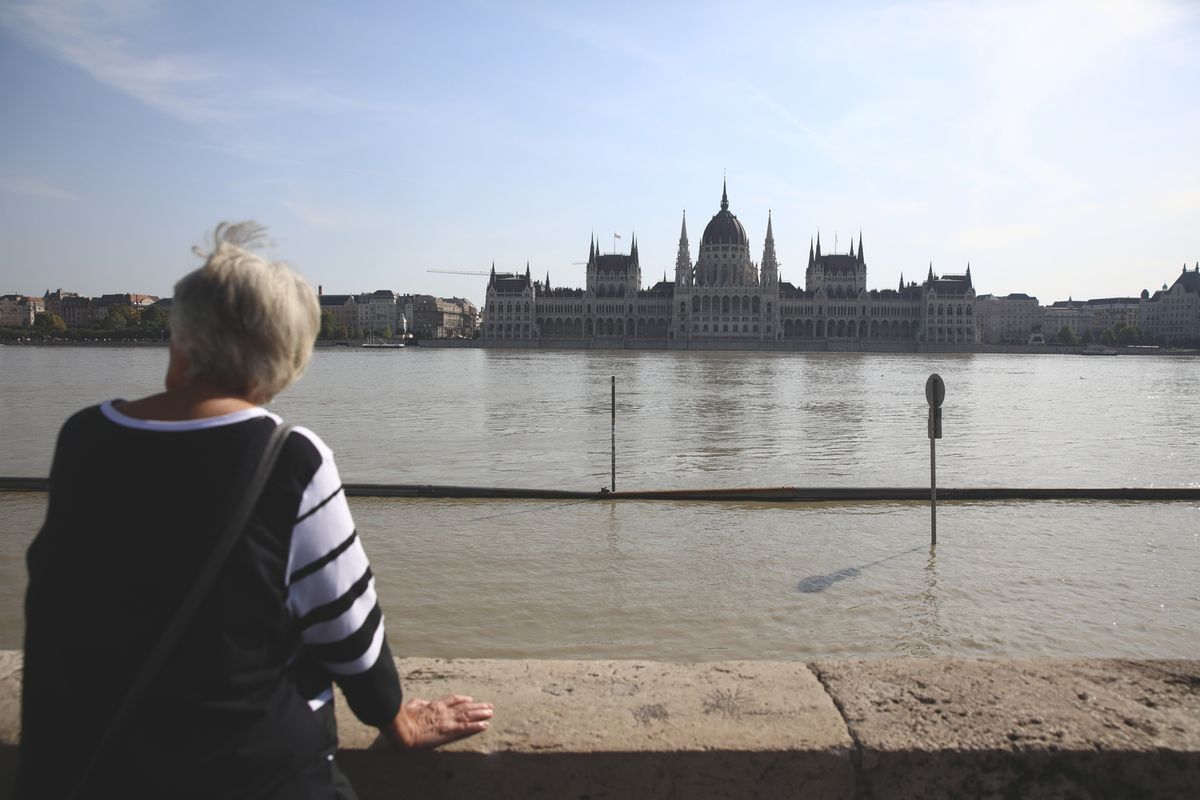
point(1052, 145)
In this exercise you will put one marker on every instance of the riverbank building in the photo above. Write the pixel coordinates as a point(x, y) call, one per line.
point(725, 300)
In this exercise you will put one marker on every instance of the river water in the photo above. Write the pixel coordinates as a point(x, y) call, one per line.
point(700, 581)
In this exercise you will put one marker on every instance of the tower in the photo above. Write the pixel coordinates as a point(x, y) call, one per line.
point(724, 255)
point(770, 267)
point(683, 261)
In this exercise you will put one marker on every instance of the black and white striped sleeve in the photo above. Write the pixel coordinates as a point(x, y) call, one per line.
point(331, 594)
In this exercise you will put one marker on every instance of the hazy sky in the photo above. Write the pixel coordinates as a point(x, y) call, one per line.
point(1053, 145)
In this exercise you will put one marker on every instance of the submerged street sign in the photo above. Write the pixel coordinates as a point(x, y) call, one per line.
point(935, 390)
point(935, 393)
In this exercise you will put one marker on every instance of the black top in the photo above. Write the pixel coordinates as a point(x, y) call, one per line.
point(134, 508)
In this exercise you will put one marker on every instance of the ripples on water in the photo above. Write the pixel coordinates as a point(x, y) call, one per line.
point(714, 581)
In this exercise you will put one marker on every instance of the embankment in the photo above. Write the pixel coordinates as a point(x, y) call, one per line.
point(892, 728)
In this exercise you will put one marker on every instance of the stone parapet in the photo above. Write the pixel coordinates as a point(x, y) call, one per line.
point(895, 728)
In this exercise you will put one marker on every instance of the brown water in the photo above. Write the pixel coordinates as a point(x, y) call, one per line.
point(709, 581)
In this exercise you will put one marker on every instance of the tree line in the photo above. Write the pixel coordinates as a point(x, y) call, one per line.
point(1118, 334)
point(122, 323)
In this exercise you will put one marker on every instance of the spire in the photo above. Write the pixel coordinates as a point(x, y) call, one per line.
point(810, 251)
point(724, 196)
point(818, 244)
point(527, 272)
point(930, 278)
point(492, 278)
point(769, 274)
point(968, 273)
point(860, 252)
point(852, 247)
point(683, 260)
point(547, 280)
point(633, 247)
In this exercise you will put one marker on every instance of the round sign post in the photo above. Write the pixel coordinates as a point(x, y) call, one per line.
point(935, 393)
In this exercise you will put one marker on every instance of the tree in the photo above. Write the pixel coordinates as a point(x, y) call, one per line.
point(154, 317)
point(1088, 337)
point(48, 322)
point(387, 332)
point(1107, 336)
point(1067, 336)
point(119, 316)
point(1129, 335)
point(327, 328)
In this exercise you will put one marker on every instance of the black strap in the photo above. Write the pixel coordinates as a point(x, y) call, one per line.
point(191, 602)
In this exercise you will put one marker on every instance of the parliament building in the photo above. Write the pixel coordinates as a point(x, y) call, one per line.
point(724, 300)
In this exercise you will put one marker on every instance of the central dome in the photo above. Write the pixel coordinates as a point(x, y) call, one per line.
point(724, 227)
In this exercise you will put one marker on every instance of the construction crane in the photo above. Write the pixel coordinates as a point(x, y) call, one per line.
point(484, 272)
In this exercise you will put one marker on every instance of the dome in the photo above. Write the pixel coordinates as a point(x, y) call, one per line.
point(724, 227)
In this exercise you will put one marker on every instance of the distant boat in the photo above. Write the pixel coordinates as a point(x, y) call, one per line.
point(1098, 350)
point(379, 343)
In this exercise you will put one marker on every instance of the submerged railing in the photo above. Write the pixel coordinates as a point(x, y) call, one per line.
point(773, 494)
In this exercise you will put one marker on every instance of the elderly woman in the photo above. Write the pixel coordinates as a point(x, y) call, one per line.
point(139, 493)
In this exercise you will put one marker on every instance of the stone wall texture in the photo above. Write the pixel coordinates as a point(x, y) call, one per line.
point(891, 728)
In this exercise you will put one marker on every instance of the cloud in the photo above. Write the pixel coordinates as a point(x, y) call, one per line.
point(985, 97)
point(906, 208)
point(839, 155)
point(607, 39)
point(85, 33)
point(995, 236)
point(1159, 202)
point(1027, 61)
point(334, 219)
point(33, 187)
point(115, 43)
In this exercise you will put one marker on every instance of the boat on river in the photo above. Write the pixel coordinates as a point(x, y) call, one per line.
point(379, 343)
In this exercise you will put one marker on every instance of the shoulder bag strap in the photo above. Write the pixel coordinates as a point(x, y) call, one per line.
point(191, 602)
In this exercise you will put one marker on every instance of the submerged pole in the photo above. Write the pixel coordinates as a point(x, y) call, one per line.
point(935, 393)
point(932, 491)
point(613, 428)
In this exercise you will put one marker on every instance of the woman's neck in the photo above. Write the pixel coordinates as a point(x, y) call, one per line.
point(195, 400)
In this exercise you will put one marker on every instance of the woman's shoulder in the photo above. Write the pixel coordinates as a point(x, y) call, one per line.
point(305, 442)
point(83, 420)
point(309, 459)
point(310, 438)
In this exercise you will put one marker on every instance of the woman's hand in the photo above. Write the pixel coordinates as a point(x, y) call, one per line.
point(422, 724)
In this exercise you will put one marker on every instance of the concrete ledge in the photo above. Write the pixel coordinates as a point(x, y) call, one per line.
point(1021, 728)
point(893, 728)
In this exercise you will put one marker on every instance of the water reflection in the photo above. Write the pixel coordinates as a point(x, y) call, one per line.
point(928, 633)
point(542, 417)
point(614, 577)
point(691, 581)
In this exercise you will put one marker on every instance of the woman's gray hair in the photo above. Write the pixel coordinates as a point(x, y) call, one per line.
point(245, 323)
